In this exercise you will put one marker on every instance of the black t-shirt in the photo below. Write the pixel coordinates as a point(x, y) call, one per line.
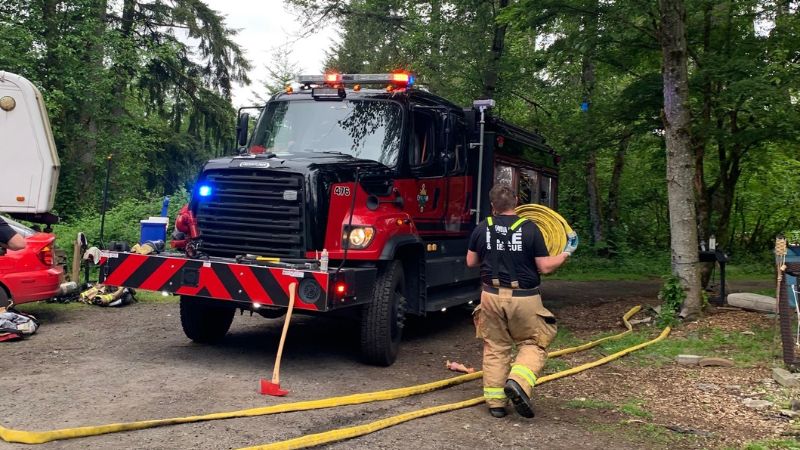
point(527, 243)
point(6, 232)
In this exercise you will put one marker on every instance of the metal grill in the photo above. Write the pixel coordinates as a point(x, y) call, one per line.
point(252, 212)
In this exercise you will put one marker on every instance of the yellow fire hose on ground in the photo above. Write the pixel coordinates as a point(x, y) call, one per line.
point(39, 437)
point(341, 434)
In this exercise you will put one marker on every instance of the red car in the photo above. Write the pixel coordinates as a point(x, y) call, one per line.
point(30, 274)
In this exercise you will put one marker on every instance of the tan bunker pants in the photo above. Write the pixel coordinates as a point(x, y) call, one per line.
point(502, 321)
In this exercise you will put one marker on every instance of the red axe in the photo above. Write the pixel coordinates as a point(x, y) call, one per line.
point(274, 387)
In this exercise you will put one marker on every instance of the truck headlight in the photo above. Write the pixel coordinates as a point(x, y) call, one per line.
point(358, 237)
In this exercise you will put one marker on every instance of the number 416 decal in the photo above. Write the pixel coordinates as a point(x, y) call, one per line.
point(341, 191)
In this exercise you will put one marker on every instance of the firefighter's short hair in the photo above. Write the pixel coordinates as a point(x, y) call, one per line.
point(502, 197)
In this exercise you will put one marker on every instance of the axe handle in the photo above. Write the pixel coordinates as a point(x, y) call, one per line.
point(277, 370)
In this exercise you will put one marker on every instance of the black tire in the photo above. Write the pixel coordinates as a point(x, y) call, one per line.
point(382, 319)
point(204, 320)
point(4, 299)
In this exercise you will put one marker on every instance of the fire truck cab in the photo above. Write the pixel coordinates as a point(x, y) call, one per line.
point(389, 182)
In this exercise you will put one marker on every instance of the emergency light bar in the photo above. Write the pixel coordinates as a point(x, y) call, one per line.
point(401, 79)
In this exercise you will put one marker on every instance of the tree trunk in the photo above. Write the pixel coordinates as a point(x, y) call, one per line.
point(680, 161)
point(588, 78)
point(700, 145)
point(612, 207)
point(122, 70)
point(593, 194)
point(498, 44)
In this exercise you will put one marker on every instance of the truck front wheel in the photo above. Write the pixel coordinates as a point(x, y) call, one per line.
point(204, 320)
point(382, 319)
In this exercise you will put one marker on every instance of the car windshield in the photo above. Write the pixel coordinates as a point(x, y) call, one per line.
point(19, 228)
point(364, 129)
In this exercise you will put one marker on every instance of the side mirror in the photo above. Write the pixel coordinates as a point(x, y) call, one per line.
point(242, 128)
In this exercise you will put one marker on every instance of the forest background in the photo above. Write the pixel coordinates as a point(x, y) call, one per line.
point(150, 81)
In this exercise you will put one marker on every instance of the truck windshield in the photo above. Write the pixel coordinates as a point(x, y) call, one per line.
point(364, 129)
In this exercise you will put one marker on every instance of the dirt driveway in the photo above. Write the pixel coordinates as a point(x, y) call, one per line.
point(91, 365)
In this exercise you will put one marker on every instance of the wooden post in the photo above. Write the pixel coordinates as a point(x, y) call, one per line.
point(76, 261)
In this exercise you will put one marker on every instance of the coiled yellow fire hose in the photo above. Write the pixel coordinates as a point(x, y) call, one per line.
point(557, 233)
point(40, 437)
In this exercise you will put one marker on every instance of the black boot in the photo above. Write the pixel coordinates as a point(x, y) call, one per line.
point(497, 412)
point(520, 400)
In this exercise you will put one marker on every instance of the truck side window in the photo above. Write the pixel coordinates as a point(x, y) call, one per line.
point(422, 152)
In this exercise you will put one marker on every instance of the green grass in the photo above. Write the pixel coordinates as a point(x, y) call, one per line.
point(42, 308)
point(586, 267)
point(642, 433)
point(768, 292)
point(155, 297)
point(745, 350)
point(759, 270)
point(556, 365)
point(564, 339)
point(632, 407)
point(588, 403)
point(770, 444)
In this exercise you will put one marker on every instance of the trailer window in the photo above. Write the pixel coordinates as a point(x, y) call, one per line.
point(546, 191)
point(528, 189)
point(504, 174)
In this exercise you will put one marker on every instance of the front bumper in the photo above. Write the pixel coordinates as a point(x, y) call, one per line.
point(247, 284)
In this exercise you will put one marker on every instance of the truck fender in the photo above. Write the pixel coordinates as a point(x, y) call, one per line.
point(397, 241)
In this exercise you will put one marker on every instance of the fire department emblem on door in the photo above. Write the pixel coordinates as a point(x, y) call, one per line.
point(422, 197)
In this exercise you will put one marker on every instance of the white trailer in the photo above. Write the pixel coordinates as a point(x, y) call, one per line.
point(29, 162)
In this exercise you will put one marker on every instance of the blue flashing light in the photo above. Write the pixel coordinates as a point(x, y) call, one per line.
point(411, 79)
point(204, 190)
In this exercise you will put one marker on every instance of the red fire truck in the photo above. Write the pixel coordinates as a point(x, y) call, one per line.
point(385, 178)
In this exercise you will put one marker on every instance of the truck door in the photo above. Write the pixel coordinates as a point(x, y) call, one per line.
point(427, 204)
point(458, 218)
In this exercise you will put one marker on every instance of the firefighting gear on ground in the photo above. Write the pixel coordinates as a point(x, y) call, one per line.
point(102, 295)
point(39, 437)
point(15, 325)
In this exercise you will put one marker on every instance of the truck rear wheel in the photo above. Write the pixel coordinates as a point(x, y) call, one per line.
point(382, 319)
point(204, 320)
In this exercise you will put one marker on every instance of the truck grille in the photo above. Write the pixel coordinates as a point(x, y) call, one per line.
point(251, 212)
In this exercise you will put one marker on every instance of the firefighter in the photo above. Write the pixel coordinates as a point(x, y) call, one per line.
point(512, 254)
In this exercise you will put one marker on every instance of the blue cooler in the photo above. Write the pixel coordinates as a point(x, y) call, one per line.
point(154, 229)
point(792, 256)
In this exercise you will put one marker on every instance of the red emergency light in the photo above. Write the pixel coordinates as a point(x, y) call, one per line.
point(333, 78)
point(401, 78)
point(395, 79)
